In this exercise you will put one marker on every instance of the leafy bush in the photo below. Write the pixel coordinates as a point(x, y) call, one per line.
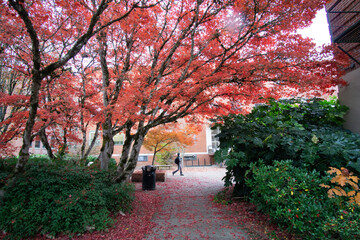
point(307, 132)
point(223, 197)
point(344, 186)
point(8, 164)
point(90, 159)
point(39, 159)
point(96, 163)
point(165, 157)
point(306, 112)
point(344, 189)
point(345, 224)
point(6, 168)
point(294, 198)
point(50, 200)
point(355, 166)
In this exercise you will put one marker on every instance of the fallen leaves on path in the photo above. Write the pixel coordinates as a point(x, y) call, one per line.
point(257, 224)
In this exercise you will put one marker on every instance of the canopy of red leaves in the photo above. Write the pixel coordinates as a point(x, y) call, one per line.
point(165, 62)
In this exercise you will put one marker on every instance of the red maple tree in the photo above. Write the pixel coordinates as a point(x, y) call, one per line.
point(189, 59)
point(204, 58)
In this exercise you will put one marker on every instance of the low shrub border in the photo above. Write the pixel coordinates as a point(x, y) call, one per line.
point(51, 200)
point(295, 198)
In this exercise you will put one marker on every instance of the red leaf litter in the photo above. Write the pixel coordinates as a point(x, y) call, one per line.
point(256, 224)
point(182, 208)
point(133, 225)
point(136, 224)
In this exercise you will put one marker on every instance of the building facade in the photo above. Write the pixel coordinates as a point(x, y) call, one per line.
point(199, 154)
point(344, 25)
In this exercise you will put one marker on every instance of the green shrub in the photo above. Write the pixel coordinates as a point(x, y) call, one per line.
point(39, 159)
point(345, 224)
point(7, 165)
point(223, 197)
point(354, 166)
point(307, 112)
point(165, 157)
point(96, 163)
point(90, 159)
point(51, 200)
point(112, 164)
point(307, 132)
point(294, 198)
point(60, 159)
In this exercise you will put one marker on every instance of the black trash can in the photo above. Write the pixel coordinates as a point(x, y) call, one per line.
point(149, 177)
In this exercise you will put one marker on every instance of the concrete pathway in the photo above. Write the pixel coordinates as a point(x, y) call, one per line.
point(188, 211)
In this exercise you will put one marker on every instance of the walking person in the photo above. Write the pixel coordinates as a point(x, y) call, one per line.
point(178, 161)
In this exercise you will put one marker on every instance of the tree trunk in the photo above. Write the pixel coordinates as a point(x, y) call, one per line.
point(130, 156)
point(85, 154)
point(154, 156)
point(83, 146)
point(82, 125)
point(62, 150)
point(107, 148)
point(126, 149)
point(27, 137)
point(46, 144)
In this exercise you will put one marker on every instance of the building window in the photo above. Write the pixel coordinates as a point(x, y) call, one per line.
point(37, 144)
point(119, 139)
point(214, 139)
point(190, 157)
point(91, 136)
point(142, 158)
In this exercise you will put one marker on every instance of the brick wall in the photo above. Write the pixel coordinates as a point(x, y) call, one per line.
point(342, 15)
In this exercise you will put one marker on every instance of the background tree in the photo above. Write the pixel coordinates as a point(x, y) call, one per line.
point(13, 97)
point(87, 92)
point(49, 34)
point(162, 139)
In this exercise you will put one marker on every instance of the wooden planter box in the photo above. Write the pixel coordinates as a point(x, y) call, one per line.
point(159, 176)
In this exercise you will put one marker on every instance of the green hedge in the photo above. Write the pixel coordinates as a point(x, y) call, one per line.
point(54, 199)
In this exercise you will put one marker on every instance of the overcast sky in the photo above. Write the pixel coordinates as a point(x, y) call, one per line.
point(319, 30)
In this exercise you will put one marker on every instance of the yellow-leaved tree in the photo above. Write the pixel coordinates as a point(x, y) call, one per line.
point(166, 138)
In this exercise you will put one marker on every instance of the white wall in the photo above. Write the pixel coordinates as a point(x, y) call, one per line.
point(350, 96)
